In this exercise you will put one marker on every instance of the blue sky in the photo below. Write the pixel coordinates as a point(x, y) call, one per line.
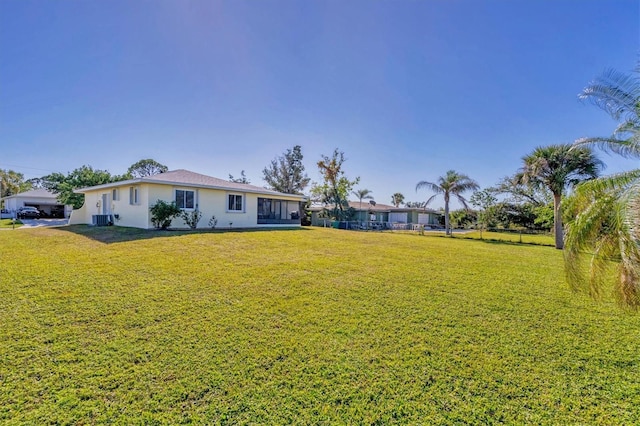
point(407, 89)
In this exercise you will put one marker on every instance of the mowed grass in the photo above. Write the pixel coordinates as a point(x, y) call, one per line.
point(9, 223)
point(310, 326)
point(513, 237)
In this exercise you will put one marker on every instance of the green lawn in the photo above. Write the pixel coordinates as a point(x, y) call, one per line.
point(8, 223)
point(311, 326)
point(514, 237)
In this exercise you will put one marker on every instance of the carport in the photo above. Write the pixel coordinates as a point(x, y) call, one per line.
point(41, 199)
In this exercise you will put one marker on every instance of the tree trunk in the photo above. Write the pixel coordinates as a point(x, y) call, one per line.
point(447, 221)
point(557, 221)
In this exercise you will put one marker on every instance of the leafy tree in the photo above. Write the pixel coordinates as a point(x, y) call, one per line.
point(605, 213)
point(35, 183)
point(557, 167)
point(336, 186)
point(519, 192)
point(82, 177)
point(397, 199)
point(462, 218)
point(241, 179)
point(453, 183)
point(286, 173)
point(416, 204)
point(484, 200)
point(12, 182)
point(162, 213)
point(544, 216)
point(147, 167)
point(363, 194)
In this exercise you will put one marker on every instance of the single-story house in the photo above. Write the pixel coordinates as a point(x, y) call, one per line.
point(376, 212)
point(41, 199)
point(234, 205)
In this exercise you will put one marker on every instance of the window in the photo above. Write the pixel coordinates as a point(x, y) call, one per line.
point(235, 203)
point(115, 194)
point(272, 211)
point(185, 199)
point(134, 195)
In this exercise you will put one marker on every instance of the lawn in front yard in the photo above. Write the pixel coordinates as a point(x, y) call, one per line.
point(303, 326)
point(9, 223)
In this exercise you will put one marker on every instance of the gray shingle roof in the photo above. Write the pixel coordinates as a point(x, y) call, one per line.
point(189, 178)
point(34, 193)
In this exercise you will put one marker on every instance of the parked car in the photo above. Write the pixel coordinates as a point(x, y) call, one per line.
point(28, 213)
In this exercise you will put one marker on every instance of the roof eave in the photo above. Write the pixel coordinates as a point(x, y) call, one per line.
point(183, 184)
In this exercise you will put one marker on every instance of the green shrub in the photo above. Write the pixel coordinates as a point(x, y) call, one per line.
point(162, 213)
point(192, 218)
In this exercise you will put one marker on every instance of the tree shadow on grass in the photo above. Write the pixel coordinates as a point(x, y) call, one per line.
point(119, 234)
point(496, 241)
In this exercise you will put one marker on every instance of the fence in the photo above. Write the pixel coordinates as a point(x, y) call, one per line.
point(377, 226)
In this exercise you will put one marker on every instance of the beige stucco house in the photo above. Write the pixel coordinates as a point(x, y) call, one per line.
point(234, 205)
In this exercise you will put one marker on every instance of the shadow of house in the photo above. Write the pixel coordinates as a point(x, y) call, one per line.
point(119, 234)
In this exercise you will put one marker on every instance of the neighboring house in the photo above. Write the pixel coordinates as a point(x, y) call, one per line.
point(370, 212)
point(41, 199)
point(234, 205)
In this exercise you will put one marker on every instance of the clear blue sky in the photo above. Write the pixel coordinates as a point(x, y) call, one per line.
point(407, 89)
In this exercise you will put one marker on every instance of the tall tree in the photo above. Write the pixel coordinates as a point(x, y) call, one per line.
point(81, 177)
point(558, 167)
point(286, 173)
point(146, 167)
point(519, 192)
point(12, 182)
point(397, 199)
point(363, 194)
point(484, 200)
point(336, 186)
point(416, 204)
point(453, 183)
point(35, 183)
point(604, 223)
point(241, 179)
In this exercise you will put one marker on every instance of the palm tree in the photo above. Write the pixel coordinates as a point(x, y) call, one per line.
point(557, 167)
point(606, 211)
point(363, 194)
point(453, 183)
point(605, 227)
point(619, 95)
point(397, 199)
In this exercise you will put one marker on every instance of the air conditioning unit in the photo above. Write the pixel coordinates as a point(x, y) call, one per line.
point(102, 220)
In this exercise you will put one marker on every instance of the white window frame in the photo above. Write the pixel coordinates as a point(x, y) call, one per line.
point(185, 190)
point(115, 194)
point(134, 195)
point(243, 197)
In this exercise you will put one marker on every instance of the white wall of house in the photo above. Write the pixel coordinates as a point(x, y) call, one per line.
point(210, 202)
point(102, 201)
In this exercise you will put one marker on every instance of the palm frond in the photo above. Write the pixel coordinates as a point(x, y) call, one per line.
point(626, 148)
point(605, 228)
point(430, 199)
point(430, 186)
point(615, 92)
point(462, 201)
